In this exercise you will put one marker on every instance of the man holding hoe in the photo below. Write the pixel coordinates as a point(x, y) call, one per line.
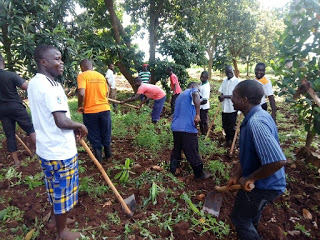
point(56, 146)
point(261, 161)
point(150, 91)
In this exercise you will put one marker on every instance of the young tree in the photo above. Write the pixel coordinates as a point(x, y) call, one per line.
point(298, 59)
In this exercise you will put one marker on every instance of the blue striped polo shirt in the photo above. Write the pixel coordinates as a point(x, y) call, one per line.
point(259, 145)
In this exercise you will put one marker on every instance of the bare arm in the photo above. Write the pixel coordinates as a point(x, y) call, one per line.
point(24, 86)
point(134, 98)
point(81, 94)
point(196, 101)
point(273, 107)
point(263, 172)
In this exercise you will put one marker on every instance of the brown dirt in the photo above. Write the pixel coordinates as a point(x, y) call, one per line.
point(278, 218)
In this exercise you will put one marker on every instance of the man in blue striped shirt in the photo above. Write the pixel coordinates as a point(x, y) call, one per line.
point(261, 161)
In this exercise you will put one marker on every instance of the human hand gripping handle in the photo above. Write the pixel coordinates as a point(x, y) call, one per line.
point(196, 119)
point(236, 183)
point(81, 132)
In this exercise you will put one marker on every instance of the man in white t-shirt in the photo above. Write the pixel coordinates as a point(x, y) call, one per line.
point(260, 72)
point(56, 146)
point(204, 104)
point(111, 80)
point(229, 115)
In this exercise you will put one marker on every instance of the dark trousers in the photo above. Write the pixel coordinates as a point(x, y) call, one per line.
point(247, 209)
point(229, 125)
point(99, 128)
point(173, 102)
point(188, 143)
point(157, 109)
point(203, 121)
point(10, 114)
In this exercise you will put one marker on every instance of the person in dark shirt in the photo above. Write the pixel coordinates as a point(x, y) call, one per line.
point(12, 110)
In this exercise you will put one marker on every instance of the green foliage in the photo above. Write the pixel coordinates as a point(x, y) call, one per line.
point(11, 213)
point(154, 192)
point(184, 51)
point(297, 59)
point(219, 171)
point(191, 206)
point(90, 186)
point(34, 181)
point(302, 229)
point(124, 174)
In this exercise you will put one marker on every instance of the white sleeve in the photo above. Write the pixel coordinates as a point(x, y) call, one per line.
point(56, 100)
point(268, 88)
point(206, 92)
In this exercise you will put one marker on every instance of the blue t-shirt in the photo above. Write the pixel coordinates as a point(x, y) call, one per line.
point(259, 145)
point(184, 113)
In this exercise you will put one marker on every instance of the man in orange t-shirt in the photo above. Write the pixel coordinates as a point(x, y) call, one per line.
point(93, 103)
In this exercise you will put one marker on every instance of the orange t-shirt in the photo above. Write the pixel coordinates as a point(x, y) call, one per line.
point(95, 85)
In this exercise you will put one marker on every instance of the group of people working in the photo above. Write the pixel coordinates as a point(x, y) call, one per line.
point(261, 158)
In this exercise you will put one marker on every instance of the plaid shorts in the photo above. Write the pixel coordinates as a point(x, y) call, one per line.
point(62, 181)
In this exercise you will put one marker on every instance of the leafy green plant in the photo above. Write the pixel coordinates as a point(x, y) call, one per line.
point(34, 181)
point(154, 192)
point(219, 170)
point(90, 186)
point(192, 207)
point(12, 174)
point(302, 229)
point(123, 175)
point(114, 218)
point(11, 213)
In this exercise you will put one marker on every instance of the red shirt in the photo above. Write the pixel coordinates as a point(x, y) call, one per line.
point(151, 91)
point(174, 81)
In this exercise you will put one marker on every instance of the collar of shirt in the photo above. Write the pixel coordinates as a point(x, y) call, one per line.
point(232, 79)
point(250, 113)
point(204, 83)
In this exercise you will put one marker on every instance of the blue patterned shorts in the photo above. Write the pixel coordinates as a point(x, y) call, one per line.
point(62, 182)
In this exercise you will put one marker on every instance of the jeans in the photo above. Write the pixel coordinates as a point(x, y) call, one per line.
point(157, 109)
point(99, 128)
point(247, 209)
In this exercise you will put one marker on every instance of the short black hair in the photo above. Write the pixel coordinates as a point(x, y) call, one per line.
point(138, 79)
point(251, 89)
point(40, 50)
point(169, 69)
point(192, 84)
point(205, 73)
point(261, 64)
point(85, 62)
point(110, 64)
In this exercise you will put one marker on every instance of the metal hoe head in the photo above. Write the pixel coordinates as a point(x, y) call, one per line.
point(131, 203)
point(212, 203)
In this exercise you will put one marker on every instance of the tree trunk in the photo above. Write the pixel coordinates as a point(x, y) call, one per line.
point(236, 69)
point(210, 51)
point(309, 139)
point(248, 65)
point(7, 47)
point(117, 31)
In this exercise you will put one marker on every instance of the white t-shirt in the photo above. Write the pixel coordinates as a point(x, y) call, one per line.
point(45, 97)
point(205, 94)
point(227, 88)
point(111, 79)
point(267, 87)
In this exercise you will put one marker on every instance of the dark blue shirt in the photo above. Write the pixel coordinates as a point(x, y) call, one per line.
point(259, 145)
point(184, 113)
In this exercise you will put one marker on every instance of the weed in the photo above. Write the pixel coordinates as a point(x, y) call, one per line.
point(94, 189)
point(34, 181)
point(123, 175)
point(219, 171)
point(11, 174)
point(114, 218)
point(154, 192)
point(11, 213)
point(302, 229)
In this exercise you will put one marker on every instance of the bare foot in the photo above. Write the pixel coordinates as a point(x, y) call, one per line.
point(52, 222)
point(68, 235)
point(17, 163)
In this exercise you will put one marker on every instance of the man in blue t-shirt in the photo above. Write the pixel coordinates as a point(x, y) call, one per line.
point(186, 117)
point(261, 161)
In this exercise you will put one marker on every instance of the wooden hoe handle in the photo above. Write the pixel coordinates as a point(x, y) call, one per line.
point(24, 145)
point(232, 187)
point(105, 176)
point(214, 118)
point(116, 101)
point(235, 136)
